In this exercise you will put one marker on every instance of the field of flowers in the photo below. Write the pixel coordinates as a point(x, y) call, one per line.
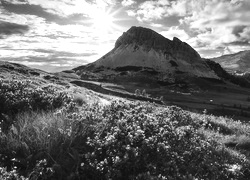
point(46, 135)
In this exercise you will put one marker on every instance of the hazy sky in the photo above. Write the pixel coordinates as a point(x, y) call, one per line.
point(54, 35)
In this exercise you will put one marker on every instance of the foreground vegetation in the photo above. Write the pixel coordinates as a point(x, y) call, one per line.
point(45, 134)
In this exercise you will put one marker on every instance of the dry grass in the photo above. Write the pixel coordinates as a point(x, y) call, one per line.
point(239, 142)
point(233, 135)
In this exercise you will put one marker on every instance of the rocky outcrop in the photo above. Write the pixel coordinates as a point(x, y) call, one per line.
point(149, 39)
point(143, 48)
point(143, 37)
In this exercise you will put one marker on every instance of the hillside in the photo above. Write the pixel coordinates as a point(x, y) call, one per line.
point(40, 79)
point(239, 62)
point(60, 128)
point(142, 59)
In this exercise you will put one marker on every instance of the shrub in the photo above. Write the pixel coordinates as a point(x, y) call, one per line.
point(120, 141)
point(137, 138)
point(79, 99)
point(143, 93)
point(47, 145)
point(137, 92)
point(10, 175)
point(19, 96)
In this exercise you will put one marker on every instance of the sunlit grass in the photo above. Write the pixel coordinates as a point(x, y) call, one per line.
point(123, 140)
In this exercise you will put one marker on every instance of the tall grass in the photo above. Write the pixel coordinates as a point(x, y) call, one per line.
point(124, 140)
point(47, 136)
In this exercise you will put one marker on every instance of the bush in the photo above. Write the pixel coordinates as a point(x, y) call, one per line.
point(120, 141)
point(138, 139)
point(19, 96)
point(47, 145)
point(79, 99)
point(10, 175)
point(137, 92)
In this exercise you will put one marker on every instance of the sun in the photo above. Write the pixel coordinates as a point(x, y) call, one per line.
point(102, 20)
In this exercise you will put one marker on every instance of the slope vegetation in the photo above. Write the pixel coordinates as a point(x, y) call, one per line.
point(46, 133)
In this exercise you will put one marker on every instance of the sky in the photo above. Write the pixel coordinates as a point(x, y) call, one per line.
point(55, 35)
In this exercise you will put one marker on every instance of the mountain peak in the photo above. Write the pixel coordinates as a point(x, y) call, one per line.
point(143, 37)
point(149, 39)
point(144, 48)
point(175, 39)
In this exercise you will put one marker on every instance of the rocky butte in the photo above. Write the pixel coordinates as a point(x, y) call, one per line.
point(141, 50)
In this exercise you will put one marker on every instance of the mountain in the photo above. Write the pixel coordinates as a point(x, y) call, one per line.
point(239, 62)
point(143, 52)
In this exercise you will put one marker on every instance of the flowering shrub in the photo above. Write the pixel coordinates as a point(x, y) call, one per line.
point(18, 96)
point(135, 140)
point(5, 175)
point(121, 141)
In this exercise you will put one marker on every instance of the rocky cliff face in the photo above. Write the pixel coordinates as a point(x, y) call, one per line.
point(149, 39)
point(144, 48)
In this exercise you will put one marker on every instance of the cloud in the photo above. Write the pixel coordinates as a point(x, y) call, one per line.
point(55, 34)
point(14, 1)
point(37, 9)
point(156, 25)
point(160, 9)
point(128, 2)
point(216, 23)
point(179, 8)
point(48, 60)
point(131, 13)
point(150, 10)
point(7, 28)
point(67, 8)
point(245, 34)
point(174, 31)
point(237, 30)
point(212, 13)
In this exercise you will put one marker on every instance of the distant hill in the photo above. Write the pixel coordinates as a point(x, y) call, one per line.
point(239, 62)
point(8, 68)
point(143, 54)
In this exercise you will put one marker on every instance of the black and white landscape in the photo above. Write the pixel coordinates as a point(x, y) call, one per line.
point(149, 89)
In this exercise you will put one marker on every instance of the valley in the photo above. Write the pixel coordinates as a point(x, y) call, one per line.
point(221, 100)
point(143, 59)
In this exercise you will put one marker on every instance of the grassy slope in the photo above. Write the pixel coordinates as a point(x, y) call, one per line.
point(219, 99)
point(51, 142)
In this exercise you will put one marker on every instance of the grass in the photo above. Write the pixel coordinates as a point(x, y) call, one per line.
point(44, 135)
point(75, 140)
point(122, 140)
point(238, 142)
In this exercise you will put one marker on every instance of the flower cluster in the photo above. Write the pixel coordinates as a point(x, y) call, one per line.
point(5, 175)
point(139, 138)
